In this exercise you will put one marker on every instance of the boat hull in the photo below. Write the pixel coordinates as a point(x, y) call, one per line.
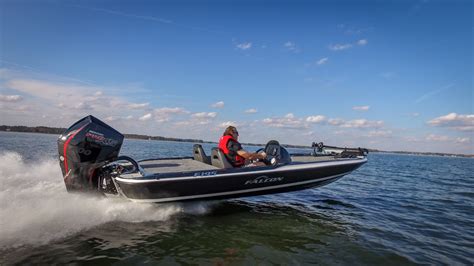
point(221, 185)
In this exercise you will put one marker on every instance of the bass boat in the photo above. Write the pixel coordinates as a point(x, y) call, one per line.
point(90, 162)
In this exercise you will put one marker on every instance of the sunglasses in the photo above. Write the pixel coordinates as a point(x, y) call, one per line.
point(236, 133)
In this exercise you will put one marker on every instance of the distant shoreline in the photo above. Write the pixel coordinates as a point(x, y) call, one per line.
point(59, 131)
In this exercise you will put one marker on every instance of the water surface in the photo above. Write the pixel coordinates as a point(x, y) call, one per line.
point(396, 209)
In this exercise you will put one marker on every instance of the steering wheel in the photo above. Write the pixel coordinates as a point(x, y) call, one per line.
point(127, 169)
point(268, 160)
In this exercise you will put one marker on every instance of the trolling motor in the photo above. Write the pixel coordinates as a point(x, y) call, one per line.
point(84, 149)
point(319, 149)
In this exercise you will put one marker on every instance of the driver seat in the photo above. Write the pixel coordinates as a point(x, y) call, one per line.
point(218, 159)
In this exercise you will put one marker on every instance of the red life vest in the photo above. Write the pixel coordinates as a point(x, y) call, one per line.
point(238, 160)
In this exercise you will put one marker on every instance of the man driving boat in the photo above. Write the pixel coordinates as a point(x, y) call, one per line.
point(234, 152)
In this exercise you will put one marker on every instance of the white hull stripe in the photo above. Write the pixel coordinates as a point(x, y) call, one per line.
point(285, 168)
point(236, 191)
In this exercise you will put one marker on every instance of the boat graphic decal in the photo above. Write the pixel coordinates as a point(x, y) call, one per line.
point(100, 138)
point(264, 179)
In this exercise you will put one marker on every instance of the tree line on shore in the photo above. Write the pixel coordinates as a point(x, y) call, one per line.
point(60, 130)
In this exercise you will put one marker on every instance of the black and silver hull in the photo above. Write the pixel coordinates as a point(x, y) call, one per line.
point(233, 183)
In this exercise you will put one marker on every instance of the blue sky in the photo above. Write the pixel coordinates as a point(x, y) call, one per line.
point(393, 75)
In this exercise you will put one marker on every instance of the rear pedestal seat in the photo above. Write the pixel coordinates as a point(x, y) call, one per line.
point(219, 160)
point(200, 155)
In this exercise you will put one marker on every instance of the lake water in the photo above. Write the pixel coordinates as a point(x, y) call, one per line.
point(396, 209)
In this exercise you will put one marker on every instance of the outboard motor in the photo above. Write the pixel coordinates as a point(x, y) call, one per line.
point(85, 147)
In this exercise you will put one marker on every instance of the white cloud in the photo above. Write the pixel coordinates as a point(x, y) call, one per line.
point(65, 95)
point(198, 119)
point(75, 99)
point(164, 114)
point(288, 121)
point(380, 133)
point(411, 139)
point(72, 101)
point(219, 104)
point(454, 121)
point(362, 123)
point(336, 121)
point(10, 98)
point(316, 119)
point(322, 61)
point(251, 111)
point(228, 123)
point(204, 115)
point(118, 118)
point(356, 123)
point(440, 138)
point(433, 137)
point(361, 108)
point(83, 106)
point(291, 46)
point(170, 110)
point(345, 46)
point(340, 47)
point(110, 119)
point(19, 109)
point(145, 117)
point(137, 106)
point(48, 90)
point(462, 140)
point(357, 31)
point(244, 46)
point(362, 42)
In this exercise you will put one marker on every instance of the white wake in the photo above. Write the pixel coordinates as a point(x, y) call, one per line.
point(36, 209)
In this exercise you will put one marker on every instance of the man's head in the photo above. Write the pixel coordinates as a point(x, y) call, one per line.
point(231, 131)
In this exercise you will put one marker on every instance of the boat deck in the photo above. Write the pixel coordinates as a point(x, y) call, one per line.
point(188, 164)
point(175, 165)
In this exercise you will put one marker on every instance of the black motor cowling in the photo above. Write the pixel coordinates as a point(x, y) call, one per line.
point(85, 147)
